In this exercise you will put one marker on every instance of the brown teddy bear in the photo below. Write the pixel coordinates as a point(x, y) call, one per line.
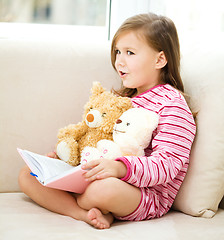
point(100, 114)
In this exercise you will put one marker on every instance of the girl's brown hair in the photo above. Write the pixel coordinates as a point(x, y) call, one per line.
point(161, 35)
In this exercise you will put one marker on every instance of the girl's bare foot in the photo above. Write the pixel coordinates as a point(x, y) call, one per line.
point(99, 220)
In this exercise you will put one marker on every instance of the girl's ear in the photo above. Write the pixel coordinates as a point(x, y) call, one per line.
point(161, 60)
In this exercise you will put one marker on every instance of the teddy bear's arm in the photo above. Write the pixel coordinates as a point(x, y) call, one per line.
point(73, 130)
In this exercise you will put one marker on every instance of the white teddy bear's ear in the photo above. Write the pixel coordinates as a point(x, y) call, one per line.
point(149, 122)
point(153, 119)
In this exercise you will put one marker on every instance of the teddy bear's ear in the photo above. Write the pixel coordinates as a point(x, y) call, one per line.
point(153, 119)
point(97, 89)
point(124, 103)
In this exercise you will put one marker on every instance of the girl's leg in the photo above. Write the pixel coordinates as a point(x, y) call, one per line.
point(52, 199)
point(108, 197)
point(95, 206)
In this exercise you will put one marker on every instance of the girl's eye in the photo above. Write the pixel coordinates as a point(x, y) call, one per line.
point(117, 51)
point(128, 124)
point(130, 53)
point(104, 114)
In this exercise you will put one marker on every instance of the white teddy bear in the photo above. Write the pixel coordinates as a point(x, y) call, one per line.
point(131, 135)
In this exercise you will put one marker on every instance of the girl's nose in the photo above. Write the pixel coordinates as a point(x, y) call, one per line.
point(121, 64)
point(120, 60)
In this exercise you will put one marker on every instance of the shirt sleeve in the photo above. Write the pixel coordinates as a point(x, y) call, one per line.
point(170, 148)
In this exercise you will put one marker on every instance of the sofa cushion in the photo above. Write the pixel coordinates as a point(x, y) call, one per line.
point(20, 219)
point(203, 71)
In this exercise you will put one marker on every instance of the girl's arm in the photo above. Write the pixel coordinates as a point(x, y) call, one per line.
point(170, 148)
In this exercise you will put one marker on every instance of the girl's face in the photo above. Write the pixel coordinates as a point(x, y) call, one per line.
point(136, 62)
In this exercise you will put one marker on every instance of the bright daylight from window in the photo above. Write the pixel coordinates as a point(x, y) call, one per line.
point(99, 19)
point(88, 16)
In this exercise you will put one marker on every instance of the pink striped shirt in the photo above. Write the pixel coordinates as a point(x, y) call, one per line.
point(163, 168)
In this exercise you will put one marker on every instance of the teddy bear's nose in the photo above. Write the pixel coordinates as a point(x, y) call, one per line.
point(118, 121)
point(93, 119)
point(90, 117)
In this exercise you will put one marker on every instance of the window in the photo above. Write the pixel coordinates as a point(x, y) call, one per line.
point(99, 19)
point(79, 18)
point(69, 12)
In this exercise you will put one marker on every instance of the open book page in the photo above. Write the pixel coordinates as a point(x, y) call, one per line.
point(42, 166)
point(55, 173)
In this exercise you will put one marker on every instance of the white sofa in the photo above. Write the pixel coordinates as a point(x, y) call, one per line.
point(44, 85)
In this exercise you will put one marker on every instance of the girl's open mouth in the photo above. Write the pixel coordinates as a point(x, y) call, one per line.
point(122, 74)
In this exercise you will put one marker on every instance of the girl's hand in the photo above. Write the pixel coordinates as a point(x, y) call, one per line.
point(104, 168)
point(52, 155)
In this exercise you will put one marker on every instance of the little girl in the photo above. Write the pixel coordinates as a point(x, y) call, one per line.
point(145, 53)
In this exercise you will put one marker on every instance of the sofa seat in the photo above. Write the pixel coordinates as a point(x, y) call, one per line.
point(26, 220)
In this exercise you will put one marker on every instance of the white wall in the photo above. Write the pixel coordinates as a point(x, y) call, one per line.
point(122, 9)
point(205, 16)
